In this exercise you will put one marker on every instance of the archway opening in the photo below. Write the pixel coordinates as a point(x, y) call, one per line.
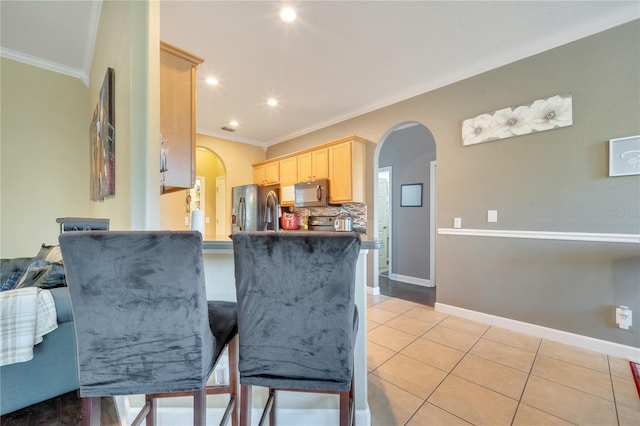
point(405, 161)
point(211, 172)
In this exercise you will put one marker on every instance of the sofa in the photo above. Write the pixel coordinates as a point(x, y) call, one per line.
point(52, 371)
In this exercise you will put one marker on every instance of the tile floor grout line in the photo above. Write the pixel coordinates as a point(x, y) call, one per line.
point(524, 387)
point(613, 390)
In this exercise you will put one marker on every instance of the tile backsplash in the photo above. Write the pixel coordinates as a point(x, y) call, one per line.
point(358, 213)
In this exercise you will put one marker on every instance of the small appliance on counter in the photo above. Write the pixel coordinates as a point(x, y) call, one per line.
point(322, 223)
point(342, 223)
point(289, 221)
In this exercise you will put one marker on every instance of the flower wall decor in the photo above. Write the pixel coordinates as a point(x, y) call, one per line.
point(538, 116)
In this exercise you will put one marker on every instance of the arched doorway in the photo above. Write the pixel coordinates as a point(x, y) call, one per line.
point(212, 172)
point(405, 161)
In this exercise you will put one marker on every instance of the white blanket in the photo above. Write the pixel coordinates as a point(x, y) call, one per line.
point(26, 315)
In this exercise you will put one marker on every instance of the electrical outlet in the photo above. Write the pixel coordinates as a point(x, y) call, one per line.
point(186, 221)
point(457, 222)
point(623, 317)
point(492, 216)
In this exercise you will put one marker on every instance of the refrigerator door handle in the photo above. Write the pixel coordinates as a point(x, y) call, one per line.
point(242, 213)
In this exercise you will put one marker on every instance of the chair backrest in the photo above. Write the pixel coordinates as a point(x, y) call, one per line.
point(297, 318)
point(140, 311)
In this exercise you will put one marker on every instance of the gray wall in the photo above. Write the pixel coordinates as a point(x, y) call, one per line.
point(548, 181)
point(409, 151)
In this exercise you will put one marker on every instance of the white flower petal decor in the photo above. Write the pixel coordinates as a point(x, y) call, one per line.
point(538, 116)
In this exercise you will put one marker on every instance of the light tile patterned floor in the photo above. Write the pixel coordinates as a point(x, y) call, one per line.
point(428, 368)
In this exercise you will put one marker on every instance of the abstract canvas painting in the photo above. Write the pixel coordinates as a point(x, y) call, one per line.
point(102, 139)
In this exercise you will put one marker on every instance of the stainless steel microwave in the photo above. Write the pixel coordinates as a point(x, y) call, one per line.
point(311, 194)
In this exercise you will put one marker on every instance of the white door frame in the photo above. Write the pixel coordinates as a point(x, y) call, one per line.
point(432, 223)
point(390, 215)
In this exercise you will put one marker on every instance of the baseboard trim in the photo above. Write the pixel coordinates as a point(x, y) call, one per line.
point(411, 280)
point(584, 342)
point(374, 291)
point(183, 416)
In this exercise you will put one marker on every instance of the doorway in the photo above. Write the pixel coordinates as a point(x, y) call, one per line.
point(212, 173)
point(406, 155)
point(384, 218)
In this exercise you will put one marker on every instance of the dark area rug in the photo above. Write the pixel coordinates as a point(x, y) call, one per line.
point(63, 410)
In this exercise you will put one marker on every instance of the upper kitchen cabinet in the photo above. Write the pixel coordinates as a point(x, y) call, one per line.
point(267, 173)
point(347, 171)
point(177, 117)
point(288, 171)
point(313, 165)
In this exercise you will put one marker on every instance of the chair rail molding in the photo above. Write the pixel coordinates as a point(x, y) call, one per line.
point(544, 235)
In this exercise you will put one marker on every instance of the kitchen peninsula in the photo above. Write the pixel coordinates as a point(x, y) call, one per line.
point(298, 408)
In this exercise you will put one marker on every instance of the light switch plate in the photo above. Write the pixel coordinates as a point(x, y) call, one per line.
point(457, 222)
point(492, 215)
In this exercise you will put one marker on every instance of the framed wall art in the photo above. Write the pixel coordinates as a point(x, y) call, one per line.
point(102, 139)
point(624, 156)
point(411, 195)
point(537, 116)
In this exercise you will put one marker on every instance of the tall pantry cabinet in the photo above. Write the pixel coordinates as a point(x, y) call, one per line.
point(177, 117)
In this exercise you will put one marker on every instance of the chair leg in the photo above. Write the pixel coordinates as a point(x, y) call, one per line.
point(352, 402)
point(272, 408)
point(152, 415)
point(245, 405)
point(91, 411)
point(233, 379)
point(200, 407)
point(344, 409)
point(348, 406)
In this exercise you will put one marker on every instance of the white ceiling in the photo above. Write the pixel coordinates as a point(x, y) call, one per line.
point(339, 59)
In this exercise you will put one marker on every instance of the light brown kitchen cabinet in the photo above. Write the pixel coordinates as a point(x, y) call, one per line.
point(177, 117)
point(346, 172)
point(266, 173)
point(313, 165)
point(288, 171)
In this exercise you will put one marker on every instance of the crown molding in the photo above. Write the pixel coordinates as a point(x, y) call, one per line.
point(44, 64)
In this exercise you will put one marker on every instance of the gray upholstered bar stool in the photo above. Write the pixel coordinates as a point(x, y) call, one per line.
point(297, 319)
point(142, 320)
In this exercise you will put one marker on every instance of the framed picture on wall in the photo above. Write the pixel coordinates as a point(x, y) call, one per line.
point(624, 156)
point(411, 195)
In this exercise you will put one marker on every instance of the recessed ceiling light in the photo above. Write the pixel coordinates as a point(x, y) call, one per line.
point(212, 81)
point(233, 123)
point(272, 102)
point(288, 14)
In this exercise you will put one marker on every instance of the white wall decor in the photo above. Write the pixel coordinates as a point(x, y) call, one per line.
point(624, 156)
point(538, 116)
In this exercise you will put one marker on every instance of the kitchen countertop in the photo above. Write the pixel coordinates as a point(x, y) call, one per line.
point(223, 242)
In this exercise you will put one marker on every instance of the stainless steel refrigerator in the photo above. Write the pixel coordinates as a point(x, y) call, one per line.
point(247, 212)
